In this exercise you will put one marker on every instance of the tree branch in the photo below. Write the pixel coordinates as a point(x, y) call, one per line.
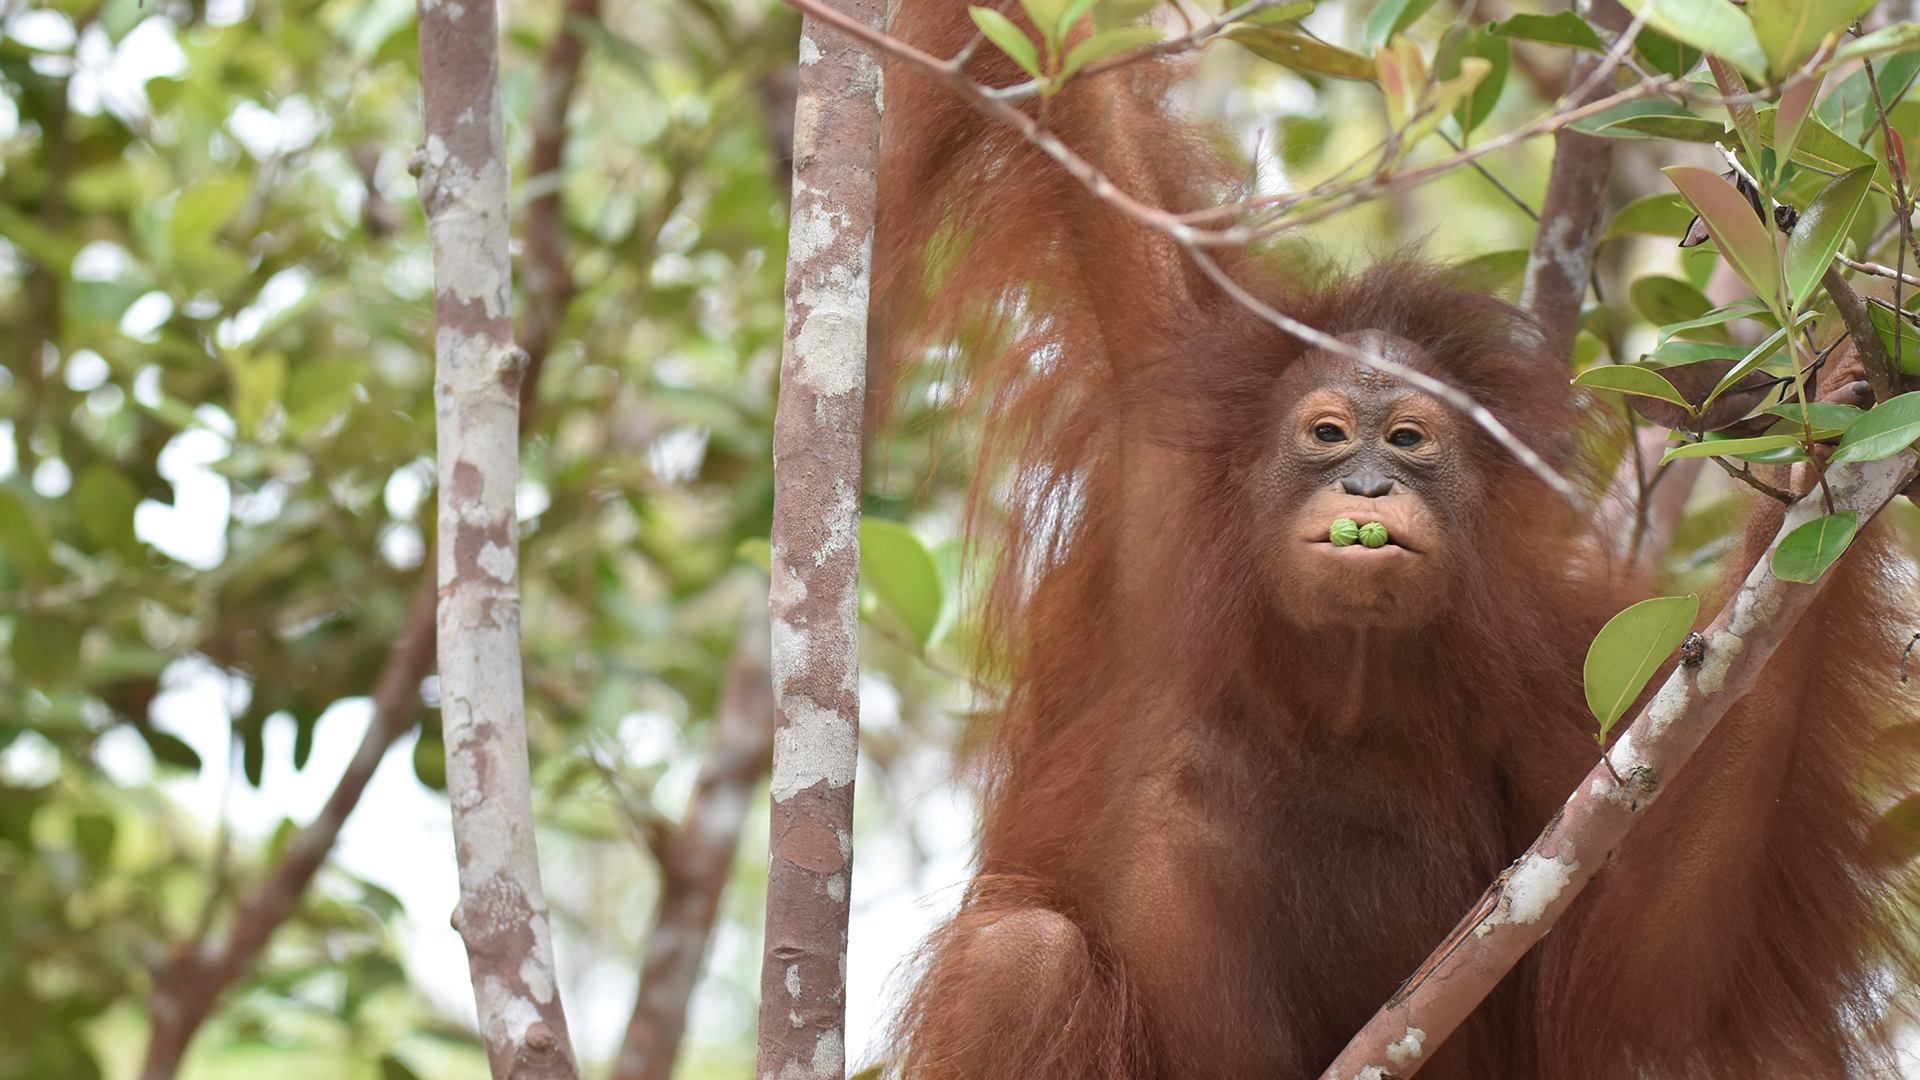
point(696, 858)
point(1523, 903)
point(186, 990)
point(548, 282)
point(1881, 373)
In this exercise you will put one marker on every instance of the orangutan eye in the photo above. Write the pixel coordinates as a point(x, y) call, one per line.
point(1405, 437)
point(1329, 433)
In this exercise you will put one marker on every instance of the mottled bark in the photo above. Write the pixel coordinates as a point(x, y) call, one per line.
point(816, 557)
point(1561, 262)
point(695, 859)
point(464, 182)
point(1522, 905)
point(187, 989)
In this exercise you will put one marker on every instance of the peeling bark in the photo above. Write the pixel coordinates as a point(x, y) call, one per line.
point(464, 183)
point(816, 556)
point(1521, 906)
point(695, 860)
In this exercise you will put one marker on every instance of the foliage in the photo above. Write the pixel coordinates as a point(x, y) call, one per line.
point(218, 422)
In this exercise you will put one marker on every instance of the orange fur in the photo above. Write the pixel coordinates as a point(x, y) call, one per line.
point(1185, 870)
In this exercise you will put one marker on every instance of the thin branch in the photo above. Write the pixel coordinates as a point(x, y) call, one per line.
point(1500, 185)
point(199, 971)
point(1881, 372)
point(696, 858)
point(1745, 475)
point(1525, 901)
point(1877, 270)
point(549, 285)
point(1320, 339)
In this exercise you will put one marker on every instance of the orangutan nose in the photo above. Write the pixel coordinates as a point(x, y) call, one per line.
point(1367, 485)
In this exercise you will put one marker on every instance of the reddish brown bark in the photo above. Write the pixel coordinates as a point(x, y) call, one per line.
point(816, 556)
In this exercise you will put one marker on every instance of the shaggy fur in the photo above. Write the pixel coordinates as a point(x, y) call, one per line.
point(1185, 870)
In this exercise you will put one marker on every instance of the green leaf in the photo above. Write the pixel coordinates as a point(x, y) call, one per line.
point(1281, 13)
point(1742, 238)
point(1713, 26)
point(430, 760)
point(1665, 300)
point(1299, 51)
point(1848, 108)
point(1392, 17)
point(1805, 553)
point(1746, 308)
point(755, 551)
point(1675, 353)
point(1819, 146)
point(1477, 106)
point(1108, 14)
point(1630, 379)
point(1664, 54)
point(1591, 125)
point(45, 648)
point(20, 534)
point(1629, 649)
point(1791, 115)
point(1729, 447)
point(1761, 353)
point(1826, 415)
point(1656, 126)
point(897, 568)
point(104, 499)
point(1896, 38)
point(170, 749)
point(1049, 18)
point(1816, 239)
point(1906, 349)
point(1895, 838)
point(1107, 43)
point(1490, 271)
point(1659, 215)
point(1566, 28)
point(1790, 30)
point(1884, 431)
point(1010, 38)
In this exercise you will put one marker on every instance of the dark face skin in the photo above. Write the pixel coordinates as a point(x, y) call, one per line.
point(1354, 443)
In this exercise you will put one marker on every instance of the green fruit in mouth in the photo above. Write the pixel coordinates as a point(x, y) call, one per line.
point(1373, 534)
point(1344, 533)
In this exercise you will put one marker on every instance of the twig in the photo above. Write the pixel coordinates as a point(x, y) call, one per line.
point(1881, 372)
point(695, 859)
point(186, 990)
point(1877, 270)
point(1744, 474)
point(1320, 339)
point(1494, 180)
point(1906, 655)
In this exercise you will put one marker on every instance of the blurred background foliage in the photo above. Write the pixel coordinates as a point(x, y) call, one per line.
point(215, 474)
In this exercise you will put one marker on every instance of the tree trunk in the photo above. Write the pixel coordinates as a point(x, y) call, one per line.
point(816, 553)
point(464, 185)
